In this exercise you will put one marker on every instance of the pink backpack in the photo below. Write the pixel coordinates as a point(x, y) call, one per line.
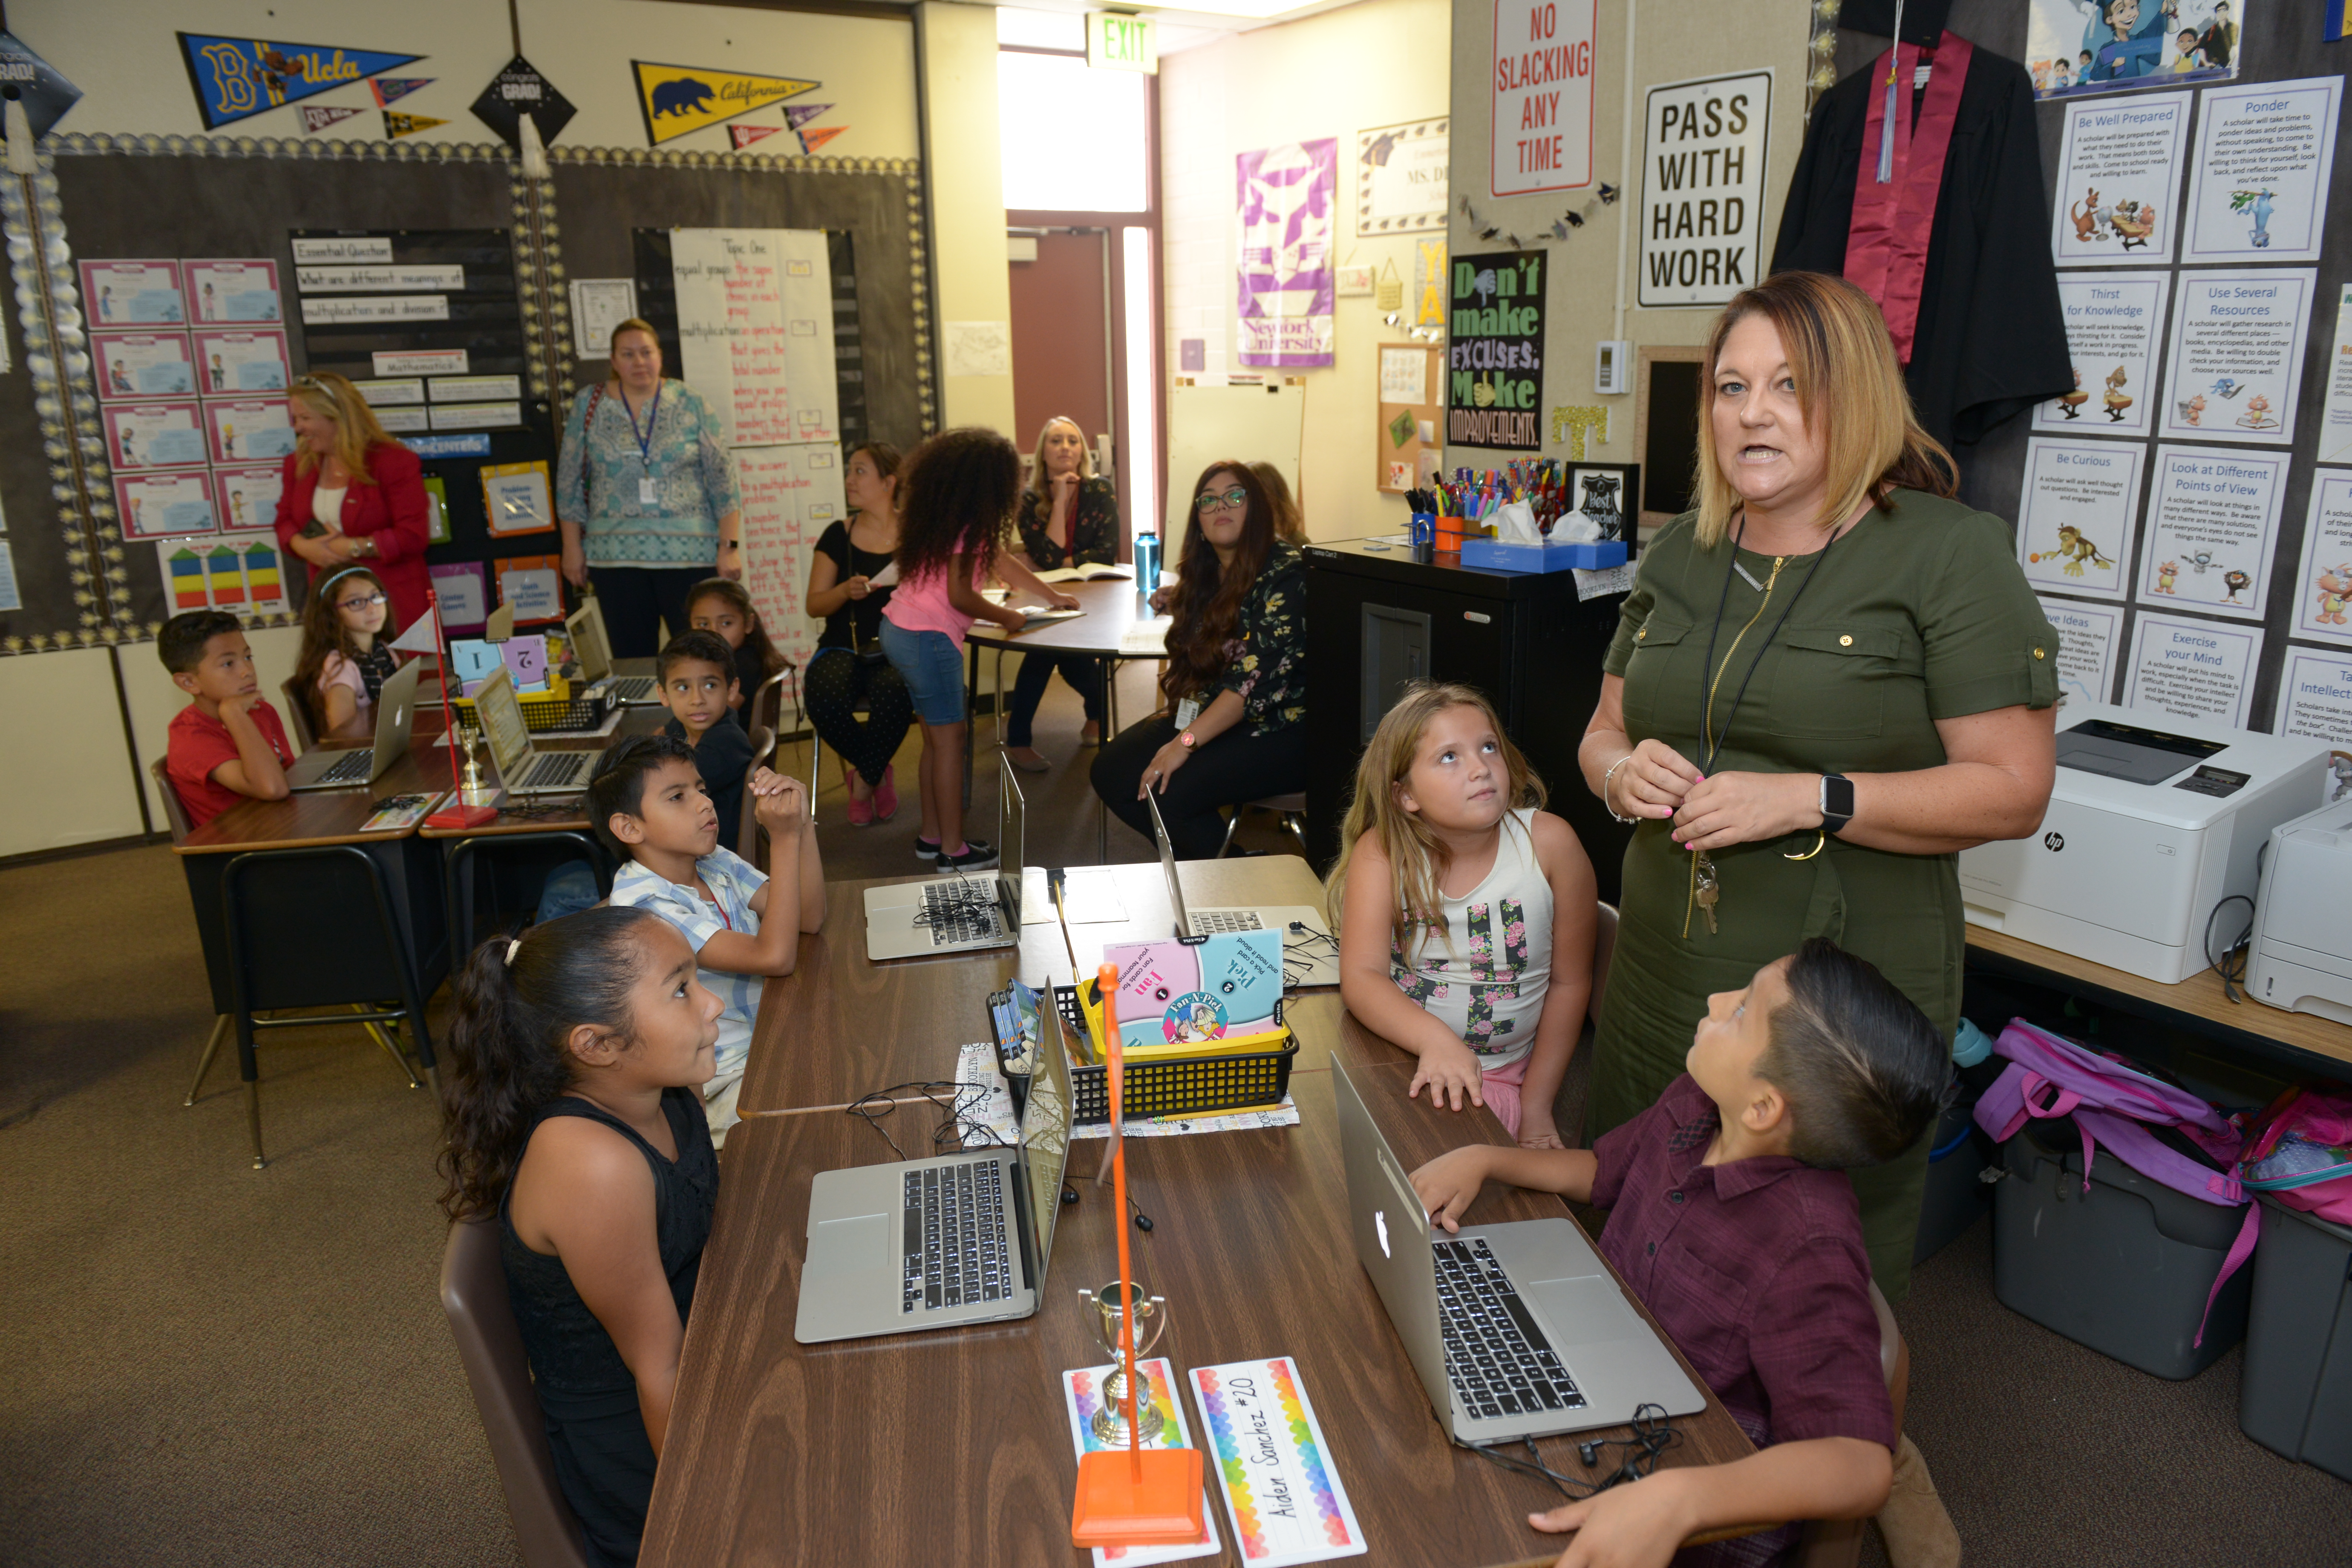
point(2301, 1151)
point(2114, 1105)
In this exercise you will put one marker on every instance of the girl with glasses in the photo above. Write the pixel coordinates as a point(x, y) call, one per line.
point(347, 628)
point(1235, 682)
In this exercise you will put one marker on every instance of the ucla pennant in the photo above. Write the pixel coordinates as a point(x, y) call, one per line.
point(236, 78)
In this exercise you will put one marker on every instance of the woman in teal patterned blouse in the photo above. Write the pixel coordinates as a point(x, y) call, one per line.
point(646, 495)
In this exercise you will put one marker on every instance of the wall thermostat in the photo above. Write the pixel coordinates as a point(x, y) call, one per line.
point(1612, 359)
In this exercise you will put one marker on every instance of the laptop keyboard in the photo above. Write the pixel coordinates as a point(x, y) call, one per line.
point(1204, 922)
point(961, 912)
point(549, 768)
point(1498, 1361)
point(633, 688)
point(955, 1247)
point(355, 768)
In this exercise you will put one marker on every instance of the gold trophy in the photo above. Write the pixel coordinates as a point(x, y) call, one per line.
point(475, 790)
point(1150, 1324)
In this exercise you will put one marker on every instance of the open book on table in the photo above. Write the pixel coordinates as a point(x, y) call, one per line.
point(1097, 572)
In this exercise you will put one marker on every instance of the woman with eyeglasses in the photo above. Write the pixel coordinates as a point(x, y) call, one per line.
point(646, 495)
point(1235, 727)
point(351, 493)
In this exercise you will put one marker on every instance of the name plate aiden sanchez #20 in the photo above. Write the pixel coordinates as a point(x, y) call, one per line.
point(1495, 361)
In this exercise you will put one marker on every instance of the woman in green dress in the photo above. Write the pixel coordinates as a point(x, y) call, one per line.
point(1829, 679)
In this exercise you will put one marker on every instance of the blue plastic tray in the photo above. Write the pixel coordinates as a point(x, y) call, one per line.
point(1494, 555)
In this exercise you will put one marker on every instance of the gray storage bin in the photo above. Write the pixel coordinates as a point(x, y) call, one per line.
point(1955, 1196)
point(2297, 1393)
point(2124, 1268)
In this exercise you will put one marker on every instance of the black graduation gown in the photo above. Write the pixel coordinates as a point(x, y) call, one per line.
point(1991, 339)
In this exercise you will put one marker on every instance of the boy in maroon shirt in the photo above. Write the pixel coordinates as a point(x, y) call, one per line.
point(1731, 1217)
point(226, 744)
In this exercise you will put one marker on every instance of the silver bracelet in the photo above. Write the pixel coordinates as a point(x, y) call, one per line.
point(1607, 803)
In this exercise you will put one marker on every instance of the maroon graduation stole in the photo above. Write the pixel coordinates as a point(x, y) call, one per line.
point(1886, 247)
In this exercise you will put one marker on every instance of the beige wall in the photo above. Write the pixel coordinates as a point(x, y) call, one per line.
point(964, 180)
point(1675, 40)
point(127, 62)
point(72, 781)
point(1381, 62)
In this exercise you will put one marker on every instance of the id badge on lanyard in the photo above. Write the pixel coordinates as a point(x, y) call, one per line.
point(1186, 711)
point(648, 493)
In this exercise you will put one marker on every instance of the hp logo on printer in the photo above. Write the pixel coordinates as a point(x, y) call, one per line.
point(2053, 841)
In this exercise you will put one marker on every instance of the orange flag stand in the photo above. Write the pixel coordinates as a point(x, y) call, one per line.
point(1145, 1497)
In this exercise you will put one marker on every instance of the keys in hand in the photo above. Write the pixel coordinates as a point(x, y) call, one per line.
point(1708, 891)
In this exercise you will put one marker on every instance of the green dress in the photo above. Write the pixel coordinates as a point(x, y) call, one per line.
point(1918, 613)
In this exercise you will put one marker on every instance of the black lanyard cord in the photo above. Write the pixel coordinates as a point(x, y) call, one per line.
point(1714, 676)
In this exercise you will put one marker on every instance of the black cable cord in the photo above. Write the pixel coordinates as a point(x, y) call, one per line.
point(2232, 963)
point(1653, 1435)
point(960, 1125)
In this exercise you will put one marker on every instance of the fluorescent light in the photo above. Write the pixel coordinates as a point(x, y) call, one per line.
point(1141, 344)
point(1073, 138)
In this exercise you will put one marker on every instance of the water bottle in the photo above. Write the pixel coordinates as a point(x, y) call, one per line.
point(1147, 564)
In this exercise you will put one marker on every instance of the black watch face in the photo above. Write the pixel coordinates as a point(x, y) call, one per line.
point(1838, 798)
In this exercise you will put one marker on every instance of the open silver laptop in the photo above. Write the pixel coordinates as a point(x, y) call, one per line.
point(1310, 955)
point(959, 912)
point(1519, 1330)
point(522, 771)
point(933, 1244)
point(594, 649)
point(396, 707)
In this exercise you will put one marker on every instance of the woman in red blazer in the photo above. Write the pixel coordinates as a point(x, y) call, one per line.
point(352, 493)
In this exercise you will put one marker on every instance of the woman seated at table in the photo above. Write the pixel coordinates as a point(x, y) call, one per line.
point(1235, 680)
point(350, 492)
point(1068, 516)
point(849, 668)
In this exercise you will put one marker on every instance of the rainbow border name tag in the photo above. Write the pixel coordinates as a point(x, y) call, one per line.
point(1282, 1489)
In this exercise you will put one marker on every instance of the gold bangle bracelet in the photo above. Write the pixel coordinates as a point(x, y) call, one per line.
point(1818, 844)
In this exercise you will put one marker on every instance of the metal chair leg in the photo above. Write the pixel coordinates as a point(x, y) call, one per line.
point(392, 1049)
point(253, 1119)
point(204, 1063)
point(1233, 826)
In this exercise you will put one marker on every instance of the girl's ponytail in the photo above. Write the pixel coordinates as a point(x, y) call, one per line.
point(517, 1002)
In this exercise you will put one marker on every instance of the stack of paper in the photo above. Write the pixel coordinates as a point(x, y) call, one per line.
point(1145, 639)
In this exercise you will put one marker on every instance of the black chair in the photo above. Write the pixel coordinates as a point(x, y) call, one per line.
point(570, 845)
point(283, 955)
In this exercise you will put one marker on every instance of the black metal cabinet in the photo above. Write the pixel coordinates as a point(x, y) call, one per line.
point(1376, 618)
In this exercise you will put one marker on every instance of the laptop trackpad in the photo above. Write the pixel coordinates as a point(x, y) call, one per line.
point(847, 1249)
point(1589, 1310)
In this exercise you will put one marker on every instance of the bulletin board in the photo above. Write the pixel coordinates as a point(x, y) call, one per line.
point(1405, 445)
point(2286, 658)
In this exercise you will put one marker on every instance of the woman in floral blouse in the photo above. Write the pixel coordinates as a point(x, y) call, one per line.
point(645, 495)
point(1068, 516)
point(1237, 675)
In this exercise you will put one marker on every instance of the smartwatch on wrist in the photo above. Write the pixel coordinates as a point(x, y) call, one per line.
point(1836, 803)
point(1187, 739)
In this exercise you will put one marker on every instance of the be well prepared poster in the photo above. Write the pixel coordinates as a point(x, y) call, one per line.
point(2119, 164)
point(2213, 528)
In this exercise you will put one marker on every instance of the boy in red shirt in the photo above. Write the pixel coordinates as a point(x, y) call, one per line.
point(226, 744)
point(1731, 1217)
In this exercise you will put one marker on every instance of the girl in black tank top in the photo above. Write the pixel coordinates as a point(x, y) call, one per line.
point(577, 1054)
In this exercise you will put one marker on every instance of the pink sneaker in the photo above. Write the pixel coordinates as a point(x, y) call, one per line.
point(886, 795)
point(861, 811)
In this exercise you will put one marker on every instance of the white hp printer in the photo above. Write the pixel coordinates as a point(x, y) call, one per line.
point(2153, 821)
point(2302, 956)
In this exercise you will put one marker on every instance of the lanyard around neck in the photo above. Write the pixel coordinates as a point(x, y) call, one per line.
point(1708, 737)
point(645, 436)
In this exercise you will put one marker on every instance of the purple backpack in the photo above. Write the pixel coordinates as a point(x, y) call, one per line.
point(2113, 1106)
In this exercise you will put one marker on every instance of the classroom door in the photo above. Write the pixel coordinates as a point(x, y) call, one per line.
point(1061, 335)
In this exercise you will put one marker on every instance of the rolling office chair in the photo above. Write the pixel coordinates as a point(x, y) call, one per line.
point(1292, 807)
point(1837, 1542)
point(481, 1319)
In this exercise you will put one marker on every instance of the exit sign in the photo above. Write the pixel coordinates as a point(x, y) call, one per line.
point(1118, 42)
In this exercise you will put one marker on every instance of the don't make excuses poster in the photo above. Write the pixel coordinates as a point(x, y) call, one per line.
point(1495, 360)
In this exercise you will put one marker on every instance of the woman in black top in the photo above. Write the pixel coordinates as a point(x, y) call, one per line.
point(1068, 516)
point(849, 668)
point(574, 1115)
point(1237, 675)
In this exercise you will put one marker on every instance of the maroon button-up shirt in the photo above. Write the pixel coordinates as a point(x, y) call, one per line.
point(1755, 1267)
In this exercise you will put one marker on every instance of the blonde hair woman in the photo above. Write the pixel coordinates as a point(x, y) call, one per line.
point(1829, 679)
point(1289, 522)
point(644, 494)
point(350, 492)
point(1068, 516)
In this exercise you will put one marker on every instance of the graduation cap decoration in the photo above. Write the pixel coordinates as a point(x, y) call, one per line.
point(517, 91)
point(40, 85)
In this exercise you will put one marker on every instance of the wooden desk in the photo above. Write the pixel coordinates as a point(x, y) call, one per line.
point(953, 1446)
point(842, 1026)
point(2302, 1040)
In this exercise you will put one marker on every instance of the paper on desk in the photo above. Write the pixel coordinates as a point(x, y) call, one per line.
point(1082, 1397)
point(1091, 897)
point(1284, 1113)
point(1036, 898)
point(400, 810)
point(976, 1070)
point(1280, 1483)
point(1145, 639)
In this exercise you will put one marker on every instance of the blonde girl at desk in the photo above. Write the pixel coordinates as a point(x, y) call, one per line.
point(1465, 913)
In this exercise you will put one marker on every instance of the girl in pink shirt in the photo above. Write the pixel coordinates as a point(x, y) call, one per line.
point(956, 500)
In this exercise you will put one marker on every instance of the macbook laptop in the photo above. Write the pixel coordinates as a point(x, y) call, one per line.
point(395, 706)
point(1310, 955)
point(956, 913)
point(594, 649)
point(1519, 1330)
point(522, 771)
point(932, 1244)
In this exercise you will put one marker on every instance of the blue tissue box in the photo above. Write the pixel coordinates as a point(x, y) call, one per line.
point(1494, 555)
